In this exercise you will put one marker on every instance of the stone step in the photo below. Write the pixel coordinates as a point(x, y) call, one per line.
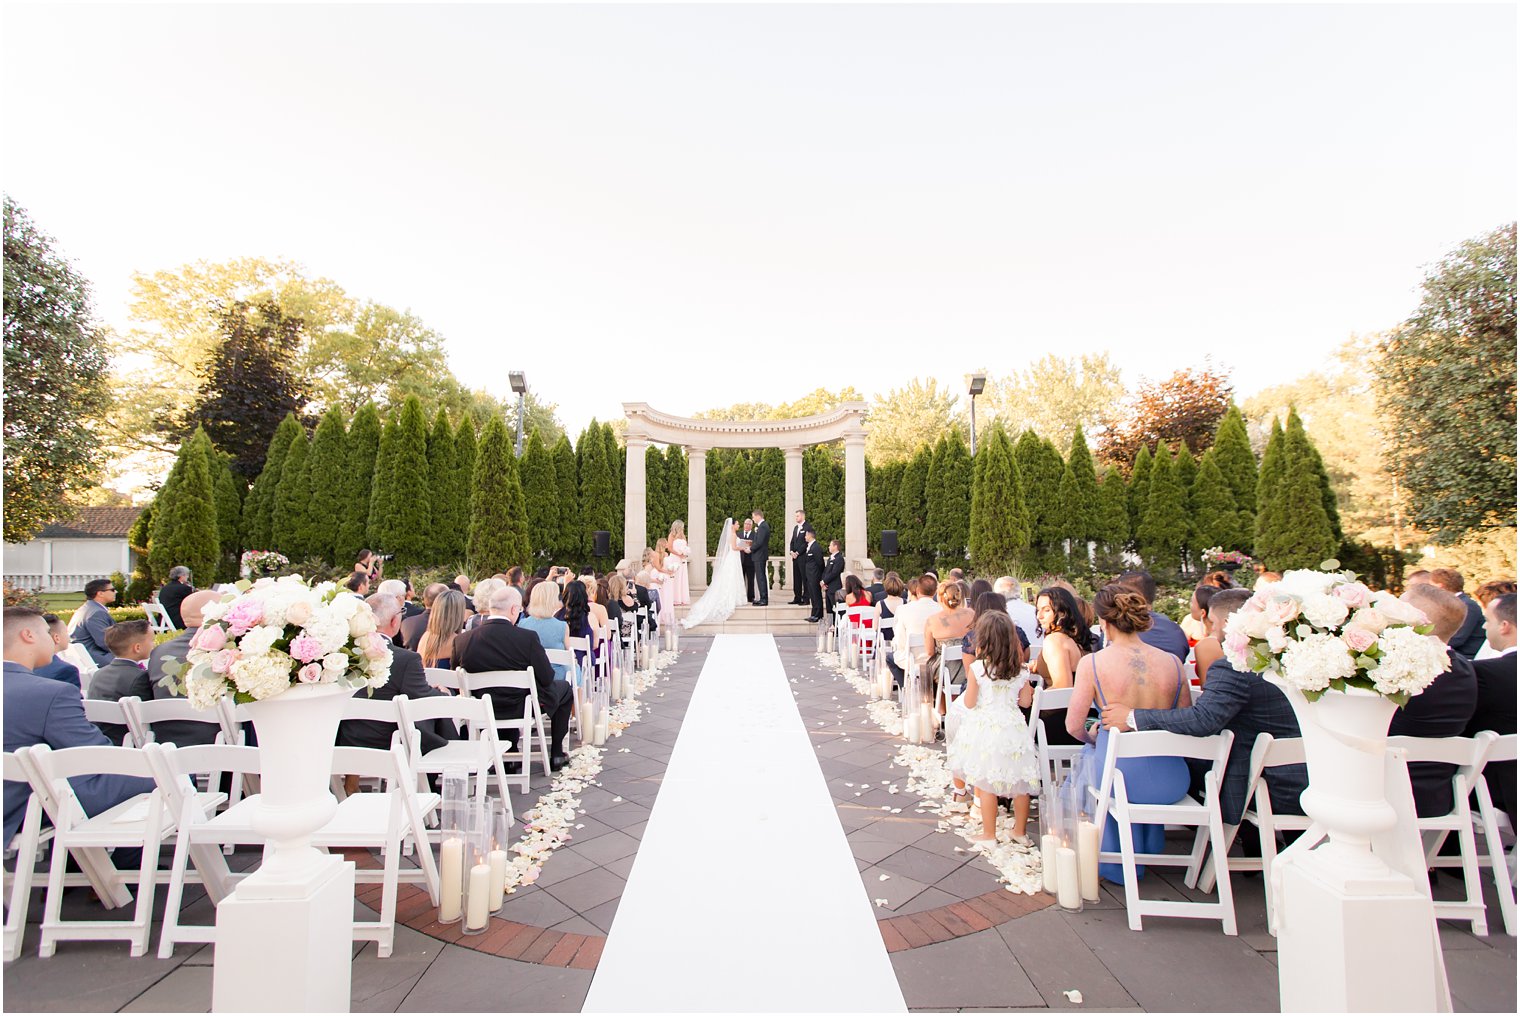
point(776, 619)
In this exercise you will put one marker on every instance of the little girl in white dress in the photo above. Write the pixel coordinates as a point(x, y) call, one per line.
point(990, 745)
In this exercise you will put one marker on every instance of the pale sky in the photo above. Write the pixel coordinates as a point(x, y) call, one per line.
point(693, 206)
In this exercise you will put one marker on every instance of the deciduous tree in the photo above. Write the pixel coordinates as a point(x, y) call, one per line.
point(1185, 408)
point(1057, 396)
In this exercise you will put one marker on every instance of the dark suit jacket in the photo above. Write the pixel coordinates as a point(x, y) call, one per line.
point(501, 645)
point(760, 543)
point(876, 593)
point(1470, 637)
point(171, 596)
point(407, 678)
point(833, 571)
point(117, 680)
point(1496, 712)
point(412, 629)
point(812, 563)
point(1244, 703)
point(798, 542)
point(39, 711)
point(1441, 710)
point(180, 732)
point(88, 628)
point(60, 670)
point(641, 593)
point(1166, 635)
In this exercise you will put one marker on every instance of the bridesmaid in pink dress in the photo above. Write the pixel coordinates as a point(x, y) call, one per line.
point(680, 583)
point(661, 575)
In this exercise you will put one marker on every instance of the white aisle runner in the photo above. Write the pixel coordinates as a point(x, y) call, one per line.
point(744, 895)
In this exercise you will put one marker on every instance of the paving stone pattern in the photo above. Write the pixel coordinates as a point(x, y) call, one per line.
point(958, 940)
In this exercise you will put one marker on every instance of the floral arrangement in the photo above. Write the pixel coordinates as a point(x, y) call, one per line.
point(1214, 556)
point(1318, 630)
point(261, 562)
point(279, 633)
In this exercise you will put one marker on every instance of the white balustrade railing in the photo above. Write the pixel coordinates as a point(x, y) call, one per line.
point(775, 570)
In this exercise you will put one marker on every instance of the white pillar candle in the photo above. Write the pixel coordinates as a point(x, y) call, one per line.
point(910, 728)
point(479, 897)
point(1049, 844)
point(1087, 856)
point(1068, 889)
point(927, 721)
point(498, 859)
point(450, 879)
point(600, 734)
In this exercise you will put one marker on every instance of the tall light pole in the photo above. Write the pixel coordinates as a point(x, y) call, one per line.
point(519, 384)
point(975, 383)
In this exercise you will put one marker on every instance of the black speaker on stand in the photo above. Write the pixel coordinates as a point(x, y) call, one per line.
point(601, 543)
point(889, 543)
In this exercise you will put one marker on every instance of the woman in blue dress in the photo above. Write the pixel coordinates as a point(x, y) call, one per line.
point(1128, 671)
point(543, 604)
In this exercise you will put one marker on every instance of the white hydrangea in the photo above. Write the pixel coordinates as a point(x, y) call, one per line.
point(204, 692)
point(1324, 610)
point(345, 606)
point(262, 676)
point(329, 629)
point(1312, 663)
point(258, 640)
point(1409, 662)
point(1304, 582)
point(1277, 638)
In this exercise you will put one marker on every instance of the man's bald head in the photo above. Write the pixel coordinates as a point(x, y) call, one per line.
point(506, 602)
point(432, 593)
point(192, 609)
point(1445, 611)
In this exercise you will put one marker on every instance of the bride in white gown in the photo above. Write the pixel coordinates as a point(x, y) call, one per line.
point(726, 592)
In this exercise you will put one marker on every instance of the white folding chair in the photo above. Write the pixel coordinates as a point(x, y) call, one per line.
point(1467, 754)
point(158, 617)
point(862, 625)
point(1112, 798)
point(1055, 759)
point(26, 845)
point(526, 725)
point(141, 821)
point(147, 713)
point(566, 658)
point(117, 713)
point(950, 652)
point(885, 629)
point(444, 679)
point(80, 658)
point(480, 752)
point(1500, 749)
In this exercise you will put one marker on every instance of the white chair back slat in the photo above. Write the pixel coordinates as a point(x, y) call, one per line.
point(117, 713)
point(444, 679)
point(148, 713)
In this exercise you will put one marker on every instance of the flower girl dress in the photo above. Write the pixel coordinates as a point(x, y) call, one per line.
point(990, 746)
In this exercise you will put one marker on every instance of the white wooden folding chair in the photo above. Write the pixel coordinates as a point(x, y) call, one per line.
point(117, 713)
point(480, 753)
point(945, 685)
point(445, 679)
point(566, 658)
point(1055, 759)
point(1111, 797)
point(80, 657)
point(146, 714)
point(882, 644)
point(1467, 754)
point(1500, 749)
point(25, 846)
point(862, 627)
point(529, 723)
point(158, 617)
point(140, 821)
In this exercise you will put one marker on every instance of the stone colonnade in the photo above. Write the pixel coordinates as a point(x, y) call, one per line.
point(697, 437)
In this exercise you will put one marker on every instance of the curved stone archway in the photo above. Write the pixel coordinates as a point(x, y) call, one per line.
point(697, 437)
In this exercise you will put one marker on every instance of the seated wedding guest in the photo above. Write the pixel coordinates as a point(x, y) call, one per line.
point(501, 645)
point(1022, 612)
point(648, 597)
point(1068, 640)
point(891, 599)
point(173, 592)
point(1495, 708)
point(1239, 701)
point(855, 594)
point(1418, 577)
point(1128, 670)
point(575, 612)
point(911, 618)
point(127, 675)
point(1485, 593)
point(465, 586)
point(1196, 624)
point(90, 621)
point(595, 591)
point(878, 587)
point(407, 678)
point(978, 587)
point(484, 590)
point(1469, 637)
point(1209, 646)
point(395, 588)
point(957, 575)
point(1164, 633)
point(60, 669)
point(358, 584)
point(1446, 705)
point(981, 605)
point(413, 627)
point(621, 601)
point(515, 578)
point(944, 633)
point(1219, 580)
point(182, 732)
point(39, 711)
point(541, 622)
point(445, 622)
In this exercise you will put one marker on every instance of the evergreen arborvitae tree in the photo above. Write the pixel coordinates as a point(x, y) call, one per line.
point(1321, 474)
point(598, 491)
point(567, 548)
point(677, 501)
point(882, 484)
point(738, 489)
point(823, 493)
point(498, 523)
point(407, 525)
point(291, 531)
point(542, 496)
point(1215, 518)
point(1000, 532)
point(910, 509)
point(329, 493)
point(441, 475)
point(617, 464)
point(1293, 526)
point(1078, 520)
point(160, 551)
point(932, 516)
point(1164, 533)
point(770, 495)
point(1271, 476)
point(657, 517)
point(185, 516)
point(1113, 521)
point(949, 507)
point(1139, 493)
point(258, 512)
point(1040, 467)
point(1233, 455)
point(360, 448)
point(229, 516)
point(1184, 472)
point(382, 490)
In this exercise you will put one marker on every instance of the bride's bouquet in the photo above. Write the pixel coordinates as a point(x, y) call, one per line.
point(280, 633)
point(1319, 630)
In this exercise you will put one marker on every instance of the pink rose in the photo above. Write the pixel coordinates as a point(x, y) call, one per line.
point(210, 638)
point(1281, 610)
point(298, 613)
point(1236, 645)
point(311, 673)
point(305, 648)
point(374, 646)
point(1354, 595)
point(244, 615)
point(1359, 639)
point(221, 663)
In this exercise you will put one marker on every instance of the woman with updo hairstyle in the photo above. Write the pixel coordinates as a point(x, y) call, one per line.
point(947, 631)
point(1124, 676)
point(1206, 642)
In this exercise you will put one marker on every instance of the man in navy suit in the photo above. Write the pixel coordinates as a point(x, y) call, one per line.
point(60, 669)
point(1164, 633)
point(89, 623)
point(1446, 705)
point(39, 711)
point(1496, 697)
point(1238, 701)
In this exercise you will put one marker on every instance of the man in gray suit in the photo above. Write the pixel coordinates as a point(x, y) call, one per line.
point(127, 675)
point(89, 623)
point(182, 732)
point(40, 711)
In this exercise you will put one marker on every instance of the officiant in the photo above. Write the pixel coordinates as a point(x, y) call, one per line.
point(746, 536)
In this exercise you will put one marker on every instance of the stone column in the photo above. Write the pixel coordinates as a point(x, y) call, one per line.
point(855, 542)
point(635, 490)
point(696, 514)
point(793, 502)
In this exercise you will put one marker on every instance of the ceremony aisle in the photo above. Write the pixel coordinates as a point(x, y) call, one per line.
point(744, 894)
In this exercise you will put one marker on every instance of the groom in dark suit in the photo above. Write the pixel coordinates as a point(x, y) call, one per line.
point(810, 567)
point(798, 547)
point(759, 550)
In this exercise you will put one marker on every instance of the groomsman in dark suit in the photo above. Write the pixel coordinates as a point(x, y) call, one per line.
point(833, 576)
point(810, 568)
point(759, 550)
point(798, 547)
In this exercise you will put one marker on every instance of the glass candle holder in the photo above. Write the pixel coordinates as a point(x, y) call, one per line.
point(498, 845)
point(477, 873)
point(1050, 832)
point(454, 820)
